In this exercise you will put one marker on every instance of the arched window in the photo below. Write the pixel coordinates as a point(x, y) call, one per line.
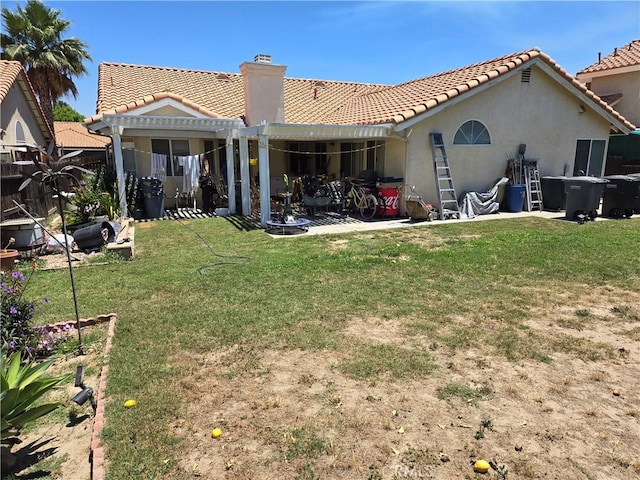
point(472, 132)
point(20, 133)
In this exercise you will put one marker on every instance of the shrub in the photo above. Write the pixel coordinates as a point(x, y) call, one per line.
point(16, 316)
point(97, 196)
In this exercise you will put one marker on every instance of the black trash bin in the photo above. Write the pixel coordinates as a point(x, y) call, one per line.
point(152, 197)
point(636, 209)
point(583, 197)
point(620, 196)
point(553, 197)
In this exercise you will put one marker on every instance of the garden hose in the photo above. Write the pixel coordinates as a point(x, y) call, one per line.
point(238, 259)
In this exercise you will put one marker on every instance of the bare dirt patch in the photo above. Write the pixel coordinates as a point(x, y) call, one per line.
point(293, 414)
point(58, 446)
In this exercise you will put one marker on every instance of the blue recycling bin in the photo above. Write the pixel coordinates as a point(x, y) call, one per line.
point(514, 196)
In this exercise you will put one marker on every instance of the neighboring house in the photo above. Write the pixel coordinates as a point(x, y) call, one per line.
point(616, 80)
point(261, 124)
point(73, 136)
point(23, 127)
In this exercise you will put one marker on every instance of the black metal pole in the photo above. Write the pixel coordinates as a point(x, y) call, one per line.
point(73, 283)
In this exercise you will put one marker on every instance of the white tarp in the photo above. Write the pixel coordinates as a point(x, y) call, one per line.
point(476, 203)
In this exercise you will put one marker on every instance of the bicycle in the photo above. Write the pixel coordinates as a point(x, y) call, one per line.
point(360, 198)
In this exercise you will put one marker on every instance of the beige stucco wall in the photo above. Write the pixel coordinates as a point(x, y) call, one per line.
point(15, 108)
point(167, 111)
point(626, 83)
point(541, 114)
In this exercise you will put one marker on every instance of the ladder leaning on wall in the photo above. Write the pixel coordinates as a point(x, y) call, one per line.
point(448, 202)
point(533, 186)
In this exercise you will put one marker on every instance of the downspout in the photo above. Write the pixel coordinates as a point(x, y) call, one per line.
point(263, 171)
point(116, 132)
point(231, 174)
point(245, 179)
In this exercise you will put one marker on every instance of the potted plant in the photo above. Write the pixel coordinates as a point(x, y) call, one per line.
point(8, 256)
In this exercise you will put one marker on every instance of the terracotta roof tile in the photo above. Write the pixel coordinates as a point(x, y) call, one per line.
point(216, 94)
point(384, 106)
point(12, 71)
point(627, 56)
point(9, 72)
point(609, 99)
point(121, 87)
point(75, 135)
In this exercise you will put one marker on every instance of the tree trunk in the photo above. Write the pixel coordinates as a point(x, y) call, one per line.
point(46, 103)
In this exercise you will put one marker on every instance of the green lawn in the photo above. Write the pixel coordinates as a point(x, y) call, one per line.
point(256, 294)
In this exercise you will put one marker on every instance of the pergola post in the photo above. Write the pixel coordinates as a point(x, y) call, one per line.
point(245, 179)
point(265, 183)
point(231, 174)
point(116, 133)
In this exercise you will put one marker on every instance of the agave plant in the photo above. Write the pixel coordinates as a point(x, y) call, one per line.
point(47, 174)
point(22, 384)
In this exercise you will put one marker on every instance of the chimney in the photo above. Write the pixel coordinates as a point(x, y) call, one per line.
point(599, 57)
point(263, 90)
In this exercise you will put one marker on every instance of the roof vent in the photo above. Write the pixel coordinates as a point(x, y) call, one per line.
point(526, 75)
point(319, 84)
point(223, 77)
point(262, 58)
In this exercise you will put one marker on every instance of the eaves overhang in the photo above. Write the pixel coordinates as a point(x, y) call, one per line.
point(144, 122)
point(310, 132)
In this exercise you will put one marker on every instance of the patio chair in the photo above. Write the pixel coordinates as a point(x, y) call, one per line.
point(221, 189)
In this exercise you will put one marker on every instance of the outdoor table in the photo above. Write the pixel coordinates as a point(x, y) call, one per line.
point(284, 227)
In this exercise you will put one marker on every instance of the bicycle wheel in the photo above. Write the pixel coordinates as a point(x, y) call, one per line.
point(369, 207)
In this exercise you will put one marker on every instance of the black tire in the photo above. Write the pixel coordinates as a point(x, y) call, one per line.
point(616, 213)
point(368, 210)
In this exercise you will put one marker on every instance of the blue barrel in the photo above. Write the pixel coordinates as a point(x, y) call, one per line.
point(515, 197)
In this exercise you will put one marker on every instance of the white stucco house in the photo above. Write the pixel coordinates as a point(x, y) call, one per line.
point(259, 124)
point(23, 130)
point(22, 121)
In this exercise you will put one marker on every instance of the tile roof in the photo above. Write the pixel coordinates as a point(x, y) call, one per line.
point(9, 72)
point(12, 71)
point(627, 56)
point(75, 135)
point(125, 87)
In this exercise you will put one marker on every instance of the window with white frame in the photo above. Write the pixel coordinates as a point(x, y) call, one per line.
point(472, 132)
point(589, 158)
point(351, 159)
point(375, 156)
point(172, 149)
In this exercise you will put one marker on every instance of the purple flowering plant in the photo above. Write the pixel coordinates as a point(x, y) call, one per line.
point(17, 331)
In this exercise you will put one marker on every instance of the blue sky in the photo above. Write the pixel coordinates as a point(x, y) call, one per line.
point(376, 42)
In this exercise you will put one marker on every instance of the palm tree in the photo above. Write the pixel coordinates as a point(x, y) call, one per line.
point(33, 36)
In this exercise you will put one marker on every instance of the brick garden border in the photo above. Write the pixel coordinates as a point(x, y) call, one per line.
point(97, 449)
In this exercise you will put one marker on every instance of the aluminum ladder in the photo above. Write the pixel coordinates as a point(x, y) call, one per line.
point(444, 182)
point(532, 184)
